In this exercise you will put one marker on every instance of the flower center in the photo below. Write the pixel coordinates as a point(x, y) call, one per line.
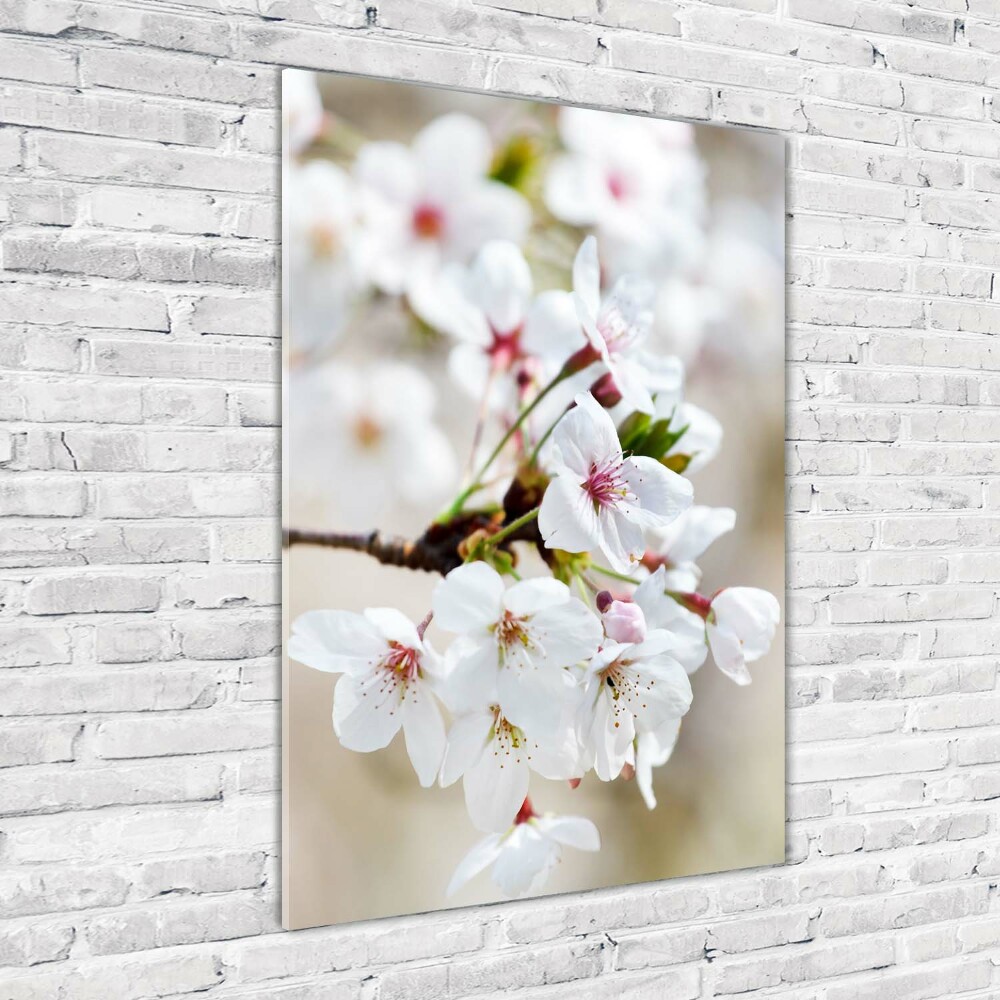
point(403, 661)
point(325, 241)
point(605, 486)
point(626, 688)
point(367, 432)
point(505, 349)
point(616, 185)
point(512, 631)
point(428, 221)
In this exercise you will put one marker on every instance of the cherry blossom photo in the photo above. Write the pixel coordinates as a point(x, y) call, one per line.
point(533, 481)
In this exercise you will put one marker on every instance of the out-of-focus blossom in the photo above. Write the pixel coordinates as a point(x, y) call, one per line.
point(514, 645)
point(365, 438)
point(389, 673)
point(301, 108)
point(524, 856)
point(432, 203)
point(494, 758)
point(740, 627)
point(637, 182)
point(322, 228)
point(598, 498)
point(677, 546)
point(616, 325)
point(502, 329)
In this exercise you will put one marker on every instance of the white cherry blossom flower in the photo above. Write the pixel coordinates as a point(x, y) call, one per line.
point(617, 325)
point(703, 437)
point(432, 202)
point(388, 677)
point(638, 182)
point(523, 857)
point(663, 612)
point(301, 108)
point(677, 546)
point(501, 327)
point(515, 644)
point(598, 498)
point(366, 439)
point(494, 757)
point(322, 224)
point(740, 626)
point(632, 688)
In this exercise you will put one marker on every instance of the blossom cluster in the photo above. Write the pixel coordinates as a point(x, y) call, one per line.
point(570, 578)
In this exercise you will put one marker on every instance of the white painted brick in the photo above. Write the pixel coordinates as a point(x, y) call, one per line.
point(138, 231)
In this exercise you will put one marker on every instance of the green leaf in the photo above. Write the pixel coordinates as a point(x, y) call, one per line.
point(632, 430)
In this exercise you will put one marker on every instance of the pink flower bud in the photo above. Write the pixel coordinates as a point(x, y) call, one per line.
point(624, 622)
point(606, 391)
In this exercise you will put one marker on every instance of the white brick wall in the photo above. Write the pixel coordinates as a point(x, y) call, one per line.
point(138, 464)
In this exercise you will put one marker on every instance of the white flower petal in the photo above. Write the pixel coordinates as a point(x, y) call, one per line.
point(530, 596)
point(523, 866)
point(662, 495)
point(534, 698)
point(727, 650)
point(389, 169)
point(367, 712)
point(574, 831)
point(501, 285)
point(423, 729)
point(496, 786)
point(575, 190)
point(467, 739)
point(587, 278)
point(552, 330)
point(336, 642)
point(468, 598)
point(394, 626)
point(567, 633)
point(471, 663)
point(567, 519)
point(482, 855)
point(453, 150)
point(621, 540)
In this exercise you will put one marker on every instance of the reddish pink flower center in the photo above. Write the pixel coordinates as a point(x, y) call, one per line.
point(505, 349)
point(428, 221)
point(403, 660)
point(605, 485)
point(616, 185)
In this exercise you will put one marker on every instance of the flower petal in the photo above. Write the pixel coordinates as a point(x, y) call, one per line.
point(661, 495)
point(495, 787)
point(454, 149)
point(483, 854)
point(468, 598)
point(574, 831)
point(552, 330)
point(423, 729)
point(336, 642)
point(501, 285)
point(567, 519)
point(367, 712)
point(575, 190)
point(524, 864)
point(727, 651)
point(394, 626)
point(530, 596)
point(388, 168)
point(471, 664)
point(467, 740)
point(535, 699)
point(567, 633)
point(587, 279)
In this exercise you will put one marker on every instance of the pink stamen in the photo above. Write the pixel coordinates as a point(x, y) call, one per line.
point(403, 660)
point(605, 485)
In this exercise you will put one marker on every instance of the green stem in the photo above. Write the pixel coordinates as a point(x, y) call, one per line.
point(459, 501)
point(612, 573)
point(508, 529)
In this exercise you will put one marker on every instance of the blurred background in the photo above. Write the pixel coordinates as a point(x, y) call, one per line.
point(361, 838)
